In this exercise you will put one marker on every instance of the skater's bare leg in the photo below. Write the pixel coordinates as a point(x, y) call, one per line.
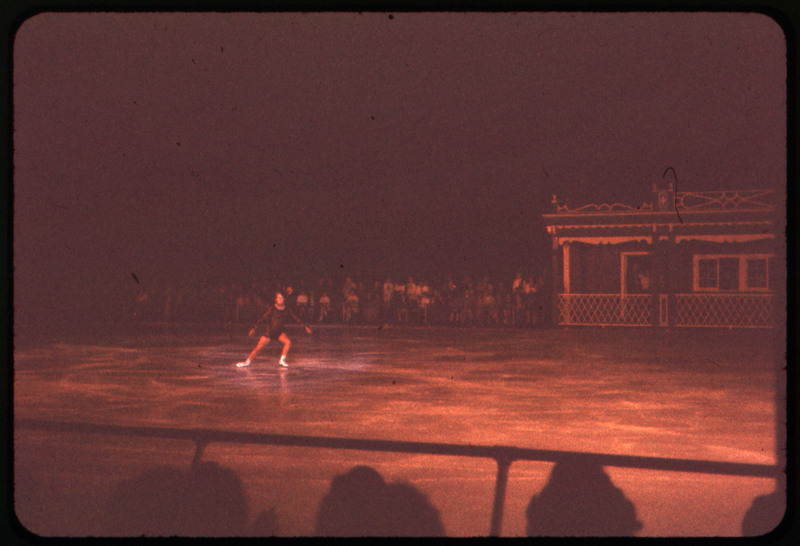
point(262, 342)
point(286, 344)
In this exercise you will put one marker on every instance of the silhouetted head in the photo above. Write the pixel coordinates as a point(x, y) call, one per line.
point(361, 504)
point(581, 500)
point(206, 500)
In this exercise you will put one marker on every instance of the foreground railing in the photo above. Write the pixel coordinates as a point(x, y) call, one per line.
point(504, 456)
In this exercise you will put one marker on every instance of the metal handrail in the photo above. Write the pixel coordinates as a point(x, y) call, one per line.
point(504, 456)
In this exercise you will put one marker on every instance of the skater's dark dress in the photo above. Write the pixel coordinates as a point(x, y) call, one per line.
point(275, 319)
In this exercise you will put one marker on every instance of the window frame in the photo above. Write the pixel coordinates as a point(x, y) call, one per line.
point(743, 281)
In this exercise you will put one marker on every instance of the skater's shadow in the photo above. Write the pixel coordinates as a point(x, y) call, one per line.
point(361, 503)
point(580, 500)
point(208, 500)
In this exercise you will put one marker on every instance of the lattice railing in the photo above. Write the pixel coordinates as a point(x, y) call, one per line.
point(724, 310)
point(605, 309)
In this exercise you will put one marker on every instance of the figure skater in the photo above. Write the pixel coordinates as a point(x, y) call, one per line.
point(275, 319)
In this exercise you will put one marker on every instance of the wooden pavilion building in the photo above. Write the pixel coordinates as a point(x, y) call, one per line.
point(688, 259)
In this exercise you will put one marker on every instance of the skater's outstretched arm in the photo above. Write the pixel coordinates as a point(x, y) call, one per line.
point(261, 321)
point(298, 319)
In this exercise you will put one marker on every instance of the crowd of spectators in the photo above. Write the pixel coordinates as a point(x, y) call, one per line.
point(466, 302)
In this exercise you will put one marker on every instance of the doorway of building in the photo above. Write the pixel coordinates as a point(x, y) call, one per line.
point(636, 273)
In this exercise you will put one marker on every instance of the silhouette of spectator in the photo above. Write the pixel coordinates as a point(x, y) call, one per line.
point(361, 504)
point(325, 307)
point(413, 295)
point(301, 305)
point(401, 299)
point(580, 500)
point(33, 502)
point(351, 307)
point(372, 307)
point(208, 500)
point(265, 525)
point(425, 303)
point(387, 297)
point(764, 514)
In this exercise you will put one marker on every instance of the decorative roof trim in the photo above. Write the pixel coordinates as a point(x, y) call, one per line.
point(656, 225)
point(687, 201)
point(604, 208)
point(610, 240)
point(730, 238)
point(722, 200)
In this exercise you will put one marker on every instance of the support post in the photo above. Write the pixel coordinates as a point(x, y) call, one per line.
point(198, 452)
point(503, 465)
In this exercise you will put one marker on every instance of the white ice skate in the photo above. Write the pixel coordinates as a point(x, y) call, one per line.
point(282, 362)
point(243, 364)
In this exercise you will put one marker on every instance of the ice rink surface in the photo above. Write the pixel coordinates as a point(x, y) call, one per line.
point(679, 395)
